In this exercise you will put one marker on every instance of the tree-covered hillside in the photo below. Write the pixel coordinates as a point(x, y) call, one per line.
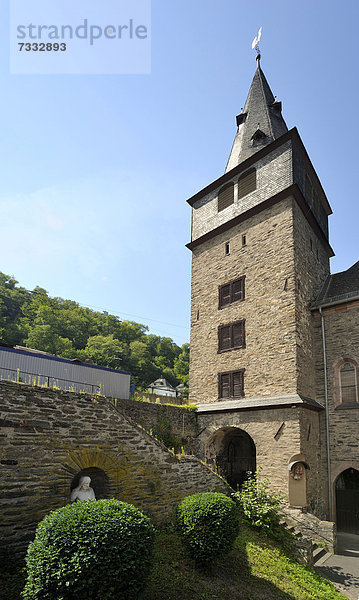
point(62, 327)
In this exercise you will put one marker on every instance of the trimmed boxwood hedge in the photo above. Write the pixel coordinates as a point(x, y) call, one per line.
point(95, 550)
point(208, 524)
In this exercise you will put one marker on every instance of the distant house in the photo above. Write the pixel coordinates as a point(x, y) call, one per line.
point(180, 389)
point(40, 368)
point(162, 387)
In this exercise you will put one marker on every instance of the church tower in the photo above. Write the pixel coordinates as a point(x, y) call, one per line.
point(260, 256)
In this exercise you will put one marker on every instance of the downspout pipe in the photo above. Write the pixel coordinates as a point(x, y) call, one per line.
point(330, 499)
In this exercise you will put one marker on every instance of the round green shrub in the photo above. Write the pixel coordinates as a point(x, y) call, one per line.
point(95, 550)
point(208, 524)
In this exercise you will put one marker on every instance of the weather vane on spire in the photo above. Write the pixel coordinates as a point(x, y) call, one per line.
point(255, 44)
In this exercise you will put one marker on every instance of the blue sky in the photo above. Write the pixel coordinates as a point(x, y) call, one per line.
point(96, 169)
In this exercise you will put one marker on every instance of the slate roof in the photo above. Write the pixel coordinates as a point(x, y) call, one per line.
point(339, 287)
point(161, 383)
point(261, 115)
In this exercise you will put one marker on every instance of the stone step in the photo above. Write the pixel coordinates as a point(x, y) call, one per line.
point(320, 556)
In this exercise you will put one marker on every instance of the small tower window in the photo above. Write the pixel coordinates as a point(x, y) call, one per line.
point(247, 183)
point(348, 383)
point(227, 249)
point(231, 292)
point(231, 336)
point(231, 384)
point(244, 240)
point(226, 196)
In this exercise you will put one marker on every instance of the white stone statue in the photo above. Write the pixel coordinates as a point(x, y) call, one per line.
point(83, 491)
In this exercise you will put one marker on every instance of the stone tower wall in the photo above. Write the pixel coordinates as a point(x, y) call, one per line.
point(205, 215)
point(267, 262)
point(311, 270)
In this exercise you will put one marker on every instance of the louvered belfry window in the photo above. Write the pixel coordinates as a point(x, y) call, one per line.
point(247, 183)
point(226, 197)
point(230, 384)
point(231, 336)
point(231, 292)
point(348, 383)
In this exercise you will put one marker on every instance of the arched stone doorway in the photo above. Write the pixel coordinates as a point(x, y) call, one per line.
point(347, 501)
point(235, 455)
point(99, 481)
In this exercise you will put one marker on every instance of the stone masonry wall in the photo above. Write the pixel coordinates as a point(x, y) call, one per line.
point(301, 168)
point(205, 215)
point(279, 435)
point(181, 421)
point(312, 445)
point(342, 343)
point(49, 436)
point(267, 262)
point(311, 271)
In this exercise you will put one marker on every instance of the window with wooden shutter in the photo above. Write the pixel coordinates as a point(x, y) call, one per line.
point(224, 385)
point(224, 335)
point(348, 383)
point(226, 197)
point(231, 336)
point(231, 292)
point(247, 183)
point(238, 290)
point(231, 384)
point(238, 340)
point(224, 295)
point(237, 384)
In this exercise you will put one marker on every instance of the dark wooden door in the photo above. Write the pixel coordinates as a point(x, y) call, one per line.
point(238, 458)
point(347, 501)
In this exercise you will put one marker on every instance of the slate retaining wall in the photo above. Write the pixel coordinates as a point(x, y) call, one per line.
point(49, 436)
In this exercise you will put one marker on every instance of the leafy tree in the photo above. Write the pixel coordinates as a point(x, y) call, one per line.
point(144, 371)
point(65, 328)
point(12, 299)
point(181, 365)
point(131, 331)
point(43, 338)
point(104, 350)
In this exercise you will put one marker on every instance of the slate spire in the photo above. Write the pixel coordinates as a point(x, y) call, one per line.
point(260, 121)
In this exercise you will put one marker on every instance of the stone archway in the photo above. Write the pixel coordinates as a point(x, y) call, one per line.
point(234, 453)
point(347, 501)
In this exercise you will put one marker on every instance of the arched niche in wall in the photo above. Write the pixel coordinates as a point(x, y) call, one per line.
point(99, 481)
point(297, 483)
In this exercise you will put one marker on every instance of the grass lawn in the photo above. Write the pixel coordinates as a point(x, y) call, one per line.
point(256, 569)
